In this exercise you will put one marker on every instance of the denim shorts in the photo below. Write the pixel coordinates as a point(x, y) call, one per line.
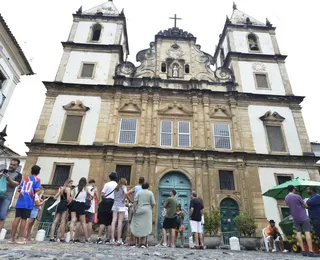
point(4, 207)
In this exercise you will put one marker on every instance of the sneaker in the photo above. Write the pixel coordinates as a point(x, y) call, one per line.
point(118, 243)
point(88, 241)
point(312, 254)
point(164, 245)
point(99, 241)
point(143, 246)
point(304, 253)
point(107, 242)
point(158, 245)
point(274, 250)
point(285, 251)
point(52, 240)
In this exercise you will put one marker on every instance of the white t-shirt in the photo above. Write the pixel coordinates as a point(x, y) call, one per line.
point(109, 187)
point(93, 206)
point(126, 214)
point(36, 198)
point(82, 195)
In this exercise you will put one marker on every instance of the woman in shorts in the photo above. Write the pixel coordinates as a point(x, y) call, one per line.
point(118, 210)
point(180, 226)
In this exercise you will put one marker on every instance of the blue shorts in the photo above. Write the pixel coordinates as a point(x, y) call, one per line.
point(4, 207)
point(34, 213)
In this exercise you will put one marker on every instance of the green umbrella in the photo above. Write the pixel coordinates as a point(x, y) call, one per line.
point(301, 185)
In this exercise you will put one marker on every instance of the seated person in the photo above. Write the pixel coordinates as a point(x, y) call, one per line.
point(273, 235)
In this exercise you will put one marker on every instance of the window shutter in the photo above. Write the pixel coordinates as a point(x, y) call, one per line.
point(87, 70)
point(71, 129)
point(262, 81)
point(222, 139)
point(61, 174)
point(124, 171)
point(276, 141)
point(128, 131)
point(166, 133)
point(184, 134)
point(226, 180)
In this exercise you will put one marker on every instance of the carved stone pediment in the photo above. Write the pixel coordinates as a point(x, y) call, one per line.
point(126, 69)
point(220, 112)
point(272, 117)
point(175, 110)
point(76, 106)
point(147, 58)
point(130, 107)
point(224, 74)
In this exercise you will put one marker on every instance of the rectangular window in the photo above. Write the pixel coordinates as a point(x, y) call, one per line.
point(87, 70)
point(61, 174)
point(222, 138)
point(72, 128)
point(285, 212)
point(283, 178)
point(128, 131)
point(262, 81)
point(184, 134)
point(226, 180)
point(166, 133)
point(124, 171)
point(276, 140)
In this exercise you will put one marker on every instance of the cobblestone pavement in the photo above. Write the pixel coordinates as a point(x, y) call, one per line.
point(58, 251)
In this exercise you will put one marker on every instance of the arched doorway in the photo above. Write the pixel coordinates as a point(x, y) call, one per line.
point(229, 209)
point(179, 182)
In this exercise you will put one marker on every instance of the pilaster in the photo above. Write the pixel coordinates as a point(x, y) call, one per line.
point(113, 118)
point(143, 118)
point(156, 100)
point(195, 121)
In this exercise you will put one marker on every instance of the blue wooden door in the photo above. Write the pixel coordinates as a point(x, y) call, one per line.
point(229, 210)
point(179, 182)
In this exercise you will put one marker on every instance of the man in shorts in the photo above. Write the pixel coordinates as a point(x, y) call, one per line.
point(314, 209)
point(273, 235)
point(105, 207)
point(196, 210)
point(13, 178)
point(170, 220)
point(301, 220)
point(29, 186)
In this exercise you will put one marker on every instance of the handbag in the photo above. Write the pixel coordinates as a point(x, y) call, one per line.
point(70, 205)
point(3, 185)
point(104, 198)
point(88, 201)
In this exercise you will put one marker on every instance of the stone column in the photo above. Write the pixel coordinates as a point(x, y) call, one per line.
point(152, 172)
point(205, 184)
point(108, 164)
point(198, 173)
point(206, 118)
point(156, 101)
point(195, 121)
point(139, 163)
point(113, 118)
point(143, 118)
point(237, 141)
point(213, 187)
point(301, 128)
point(103, 121)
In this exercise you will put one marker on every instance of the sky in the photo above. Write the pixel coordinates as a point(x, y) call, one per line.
point(40, 26)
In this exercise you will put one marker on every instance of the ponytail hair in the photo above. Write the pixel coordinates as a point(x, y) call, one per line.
point(122, 182)
point(82, 184)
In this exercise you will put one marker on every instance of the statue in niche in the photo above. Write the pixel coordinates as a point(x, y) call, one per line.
point(175, 71)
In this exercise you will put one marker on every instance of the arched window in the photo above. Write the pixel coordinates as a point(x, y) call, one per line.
point(163, 67)
point(96, 32)
point(187, 68)
point(253, 42)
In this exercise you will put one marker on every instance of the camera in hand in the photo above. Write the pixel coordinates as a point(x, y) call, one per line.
point(4, 170)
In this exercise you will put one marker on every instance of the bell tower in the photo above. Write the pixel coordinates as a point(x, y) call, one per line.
point(249, 47)
point(97, 42)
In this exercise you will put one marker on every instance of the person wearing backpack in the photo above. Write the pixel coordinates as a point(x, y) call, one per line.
point(180, 226)
point(78, 207)
point(11, 179)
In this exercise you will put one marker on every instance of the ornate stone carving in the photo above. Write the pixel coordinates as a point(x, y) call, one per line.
point(272, 117)
point(224, 74)
point(220, 111)
point(76, 106)
point(147, 58)
point(175, 32)
point(130, 107)
point(259, 67)
point(205, 60)
point(176, 110)
point(175, 51)
point(107, 8)
point(125, 69)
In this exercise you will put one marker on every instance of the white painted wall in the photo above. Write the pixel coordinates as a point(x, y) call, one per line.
point(80, 168)
point(241, 42)
point(88, 133)
point(268, 180)
point(274, 77)
point(225, 46)
point(259, 134)
point(101, 73)
point(108, 34)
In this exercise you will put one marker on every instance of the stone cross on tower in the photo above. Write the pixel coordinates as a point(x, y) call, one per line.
point(175, 18)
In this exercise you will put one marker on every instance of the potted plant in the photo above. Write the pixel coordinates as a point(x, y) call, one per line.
point(212, 222)
point(247, 227)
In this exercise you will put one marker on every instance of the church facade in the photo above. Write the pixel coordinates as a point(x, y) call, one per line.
point(226, 125)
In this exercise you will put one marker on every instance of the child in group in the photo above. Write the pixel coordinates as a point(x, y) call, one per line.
point(38, 202)
point(180, 226)
point(125, 223)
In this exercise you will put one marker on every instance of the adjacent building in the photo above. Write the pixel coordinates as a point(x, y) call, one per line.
point(226, 125)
